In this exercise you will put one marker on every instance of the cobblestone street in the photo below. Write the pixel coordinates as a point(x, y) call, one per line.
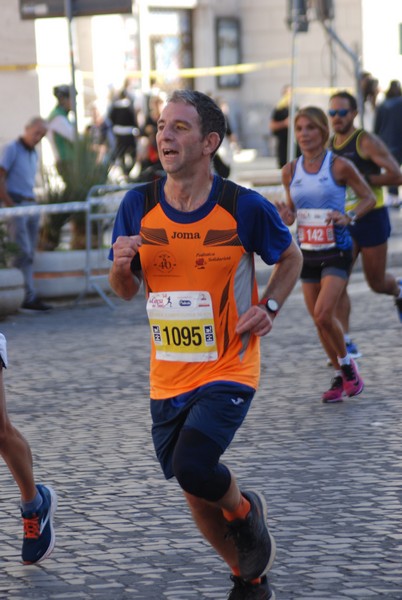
point(77, 386)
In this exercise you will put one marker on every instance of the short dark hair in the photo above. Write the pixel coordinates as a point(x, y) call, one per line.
point(394, 90)
point(61, 91)
point(211, 116)
point(346, 96)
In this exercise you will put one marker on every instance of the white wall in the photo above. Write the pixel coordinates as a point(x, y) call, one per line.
point(265, 38)
point(19, 100)
point(381, 40)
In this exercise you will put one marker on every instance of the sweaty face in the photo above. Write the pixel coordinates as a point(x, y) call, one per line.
point(341, 116)
point(179, 140)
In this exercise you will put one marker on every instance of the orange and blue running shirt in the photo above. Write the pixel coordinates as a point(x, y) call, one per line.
point(199, 273)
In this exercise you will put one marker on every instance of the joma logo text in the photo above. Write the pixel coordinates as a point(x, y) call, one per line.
point(180, 235)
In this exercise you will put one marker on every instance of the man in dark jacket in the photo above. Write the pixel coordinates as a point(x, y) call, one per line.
point(388, 126)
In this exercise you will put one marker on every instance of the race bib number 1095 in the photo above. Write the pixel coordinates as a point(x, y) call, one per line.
point(182, 326)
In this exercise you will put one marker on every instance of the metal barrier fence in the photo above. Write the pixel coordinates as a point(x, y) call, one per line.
point(107, 197)
point(100, 206)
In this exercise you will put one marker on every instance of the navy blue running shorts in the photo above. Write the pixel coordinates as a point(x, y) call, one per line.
point(373, 229)
point(216, 409)
point(317, 265)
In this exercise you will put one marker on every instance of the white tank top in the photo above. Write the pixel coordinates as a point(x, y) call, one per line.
point(314, 194)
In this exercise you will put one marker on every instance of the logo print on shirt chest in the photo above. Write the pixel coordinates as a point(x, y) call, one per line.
point(164, 262)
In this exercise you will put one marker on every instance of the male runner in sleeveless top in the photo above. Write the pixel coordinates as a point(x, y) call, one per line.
point(370, 233)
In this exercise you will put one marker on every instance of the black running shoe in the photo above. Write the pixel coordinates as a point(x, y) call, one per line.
point(255, 545)
point(244, 590)
point(36, 305)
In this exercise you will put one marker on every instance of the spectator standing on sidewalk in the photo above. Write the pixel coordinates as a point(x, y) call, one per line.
point(371, 96)
point(191, 237)
point(18, 167)
point(147, 151)
point(370, 234)
point(388, 126)
point(122, 115)
point(315, 186)
point(38, 502)
point(223, 158)
point(61, 132)
point(279, 126)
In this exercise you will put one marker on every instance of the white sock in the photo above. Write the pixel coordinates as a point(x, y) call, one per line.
point(344, 361)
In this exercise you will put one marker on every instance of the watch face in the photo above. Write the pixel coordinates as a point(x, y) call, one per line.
point(272, 305)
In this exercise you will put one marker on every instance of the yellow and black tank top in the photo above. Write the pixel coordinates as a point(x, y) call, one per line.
point(351, 150)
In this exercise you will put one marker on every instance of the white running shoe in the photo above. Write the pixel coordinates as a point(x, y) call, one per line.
point(3, 350)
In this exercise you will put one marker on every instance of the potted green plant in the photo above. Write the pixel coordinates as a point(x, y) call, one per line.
point(59, 272)
point(11, 279)
point(86, 171)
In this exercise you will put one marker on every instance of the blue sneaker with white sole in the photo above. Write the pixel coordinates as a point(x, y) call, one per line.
point(39, 536)
point(353, 350)
point(3, 351)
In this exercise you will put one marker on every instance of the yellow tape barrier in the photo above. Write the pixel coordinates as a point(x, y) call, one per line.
point(185, 73)
point(18, 67)
point(200, 72)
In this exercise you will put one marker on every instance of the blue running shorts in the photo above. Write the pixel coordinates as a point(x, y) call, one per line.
point(373, 229)
point(216, 409)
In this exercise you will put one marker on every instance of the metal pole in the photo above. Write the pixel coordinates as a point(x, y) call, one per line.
point(357, 67)
point(292, 109)
point(69, 16)
point(143, 14)
point(333, 62)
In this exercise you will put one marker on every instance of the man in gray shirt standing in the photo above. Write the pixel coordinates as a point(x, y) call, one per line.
point(18, 166)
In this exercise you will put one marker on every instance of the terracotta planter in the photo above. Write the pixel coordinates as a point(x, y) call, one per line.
point(62, 274)
point(11, 291)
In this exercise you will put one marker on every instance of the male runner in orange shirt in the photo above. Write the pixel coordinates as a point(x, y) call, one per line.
point(192, 239)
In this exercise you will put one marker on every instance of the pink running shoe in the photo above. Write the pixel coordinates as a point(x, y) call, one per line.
point(335, 392)
point(352, 382)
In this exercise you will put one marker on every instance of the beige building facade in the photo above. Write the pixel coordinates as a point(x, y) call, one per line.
point(178, 42)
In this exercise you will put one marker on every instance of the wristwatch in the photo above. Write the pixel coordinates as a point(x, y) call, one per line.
point(352, 216)
point(271, 305)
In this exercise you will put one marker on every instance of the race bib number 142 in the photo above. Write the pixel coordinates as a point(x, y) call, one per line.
point(313, 230)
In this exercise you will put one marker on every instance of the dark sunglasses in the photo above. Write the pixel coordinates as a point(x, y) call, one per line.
point(342, 112)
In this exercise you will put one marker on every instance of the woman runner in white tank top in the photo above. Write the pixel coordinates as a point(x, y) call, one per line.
point(315, 186)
